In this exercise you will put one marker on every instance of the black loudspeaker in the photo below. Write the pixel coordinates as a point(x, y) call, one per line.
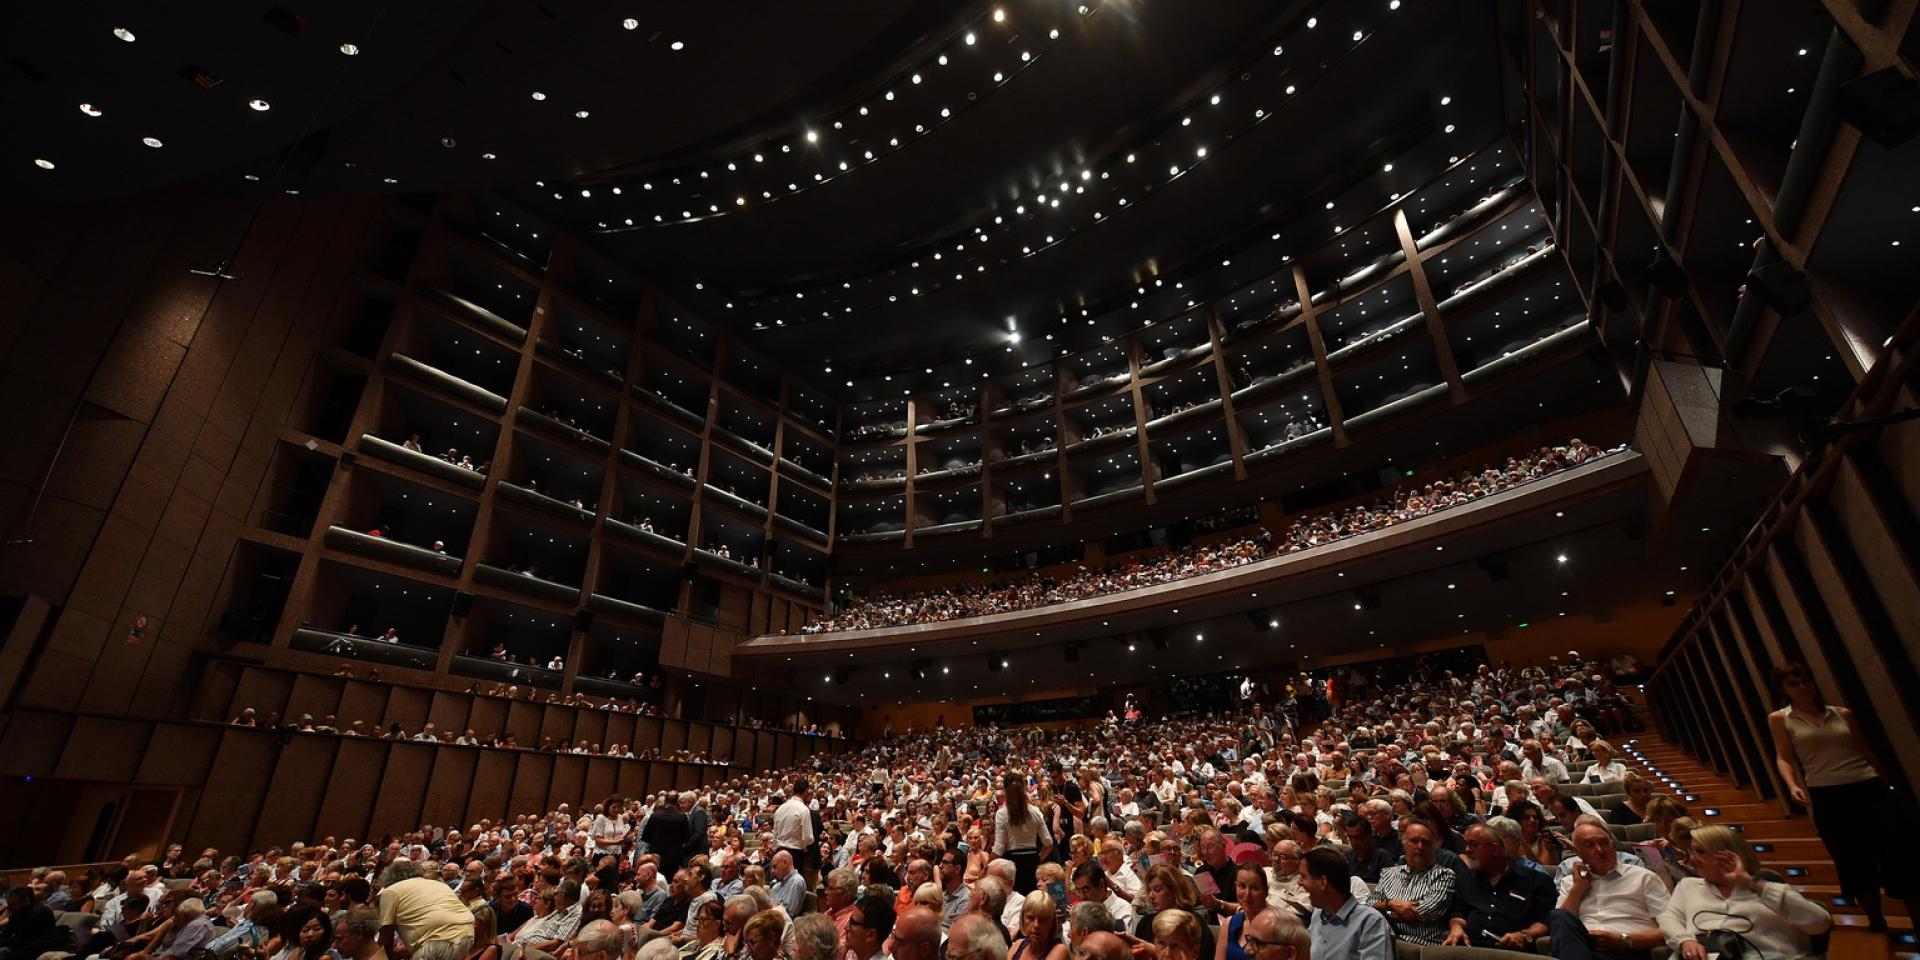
point(1496, 569)
point(1666, 275)
point(1613, 296)
point(583, 620)
point(1159, 637)
point(462, 602)
point(1884, 105)
point(1781, 287)
point(1071, 652)
point(347, 457)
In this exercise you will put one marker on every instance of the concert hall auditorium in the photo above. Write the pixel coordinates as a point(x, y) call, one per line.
point(960, 480)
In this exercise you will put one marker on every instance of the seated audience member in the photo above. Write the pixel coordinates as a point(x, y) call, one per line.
point(1250, 895)
point(1276, 935)
point(872, 924)
point(357, 935)
point(1416, 893)
point(1727, 898)
point(1639, 791)
point(1090, 884)
point(1606, 906)
point(30, 929)
point(1365, 858)
point(1342, 926)
point(1498, 904)
point(975, 936)
point(1177, 935)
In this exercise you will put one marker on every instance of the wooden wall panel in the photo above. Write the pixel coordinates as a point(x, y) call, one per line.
point(673, 735)
point(555, 724)
point(489, 716)
point(783, 752)
point(568, 783)
point(449, 711)
point(312, 694)
point(265, 691)
point(591, 726)
point(179, 754)
point(295, 790)
point(351, 789)
point(230, 800)
point(659, 776)
point(360, 700)
point(492, 785)
point(101, 749)
point(646, 731)
point(403, 786)
point(601, 776)
point(723, 742)
point(764, 756)
point(523, 722)
point(218, 684)
point(620, 729)
point(530, 776)
point(407, 706)
point(631, 780)
point(454, 770)
point(686, 776)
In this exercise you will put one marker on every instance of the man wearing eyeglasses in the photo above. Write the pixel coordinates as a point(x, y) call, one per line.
point(1276, 935)
point(916, 935)
point(953, 876)
point(870, 924)
point(1495, 905)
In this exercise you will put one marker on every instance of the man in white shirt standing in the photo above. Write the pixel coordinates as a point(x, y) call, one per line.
point(793, 823)
point(1606, 907)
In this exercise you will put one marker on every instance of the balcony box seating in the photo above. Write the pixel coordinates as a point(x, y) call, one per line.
point(502, 577)
point(423, 462)
point(384, 548)
point(436, 377)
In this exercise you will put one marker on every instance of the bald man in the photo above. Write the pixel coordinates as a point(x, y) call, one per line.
point(787, 886)
point(1101, 945)
point(1277, 935)
point(916, 935)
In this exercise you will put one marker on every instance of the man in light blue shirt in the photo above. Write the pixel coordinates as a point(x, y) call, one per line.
point(1342, 927)
point(788, 888)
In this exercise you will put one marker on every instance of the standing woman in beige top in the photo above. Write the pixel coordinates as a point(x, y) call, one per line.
point(1830, 769)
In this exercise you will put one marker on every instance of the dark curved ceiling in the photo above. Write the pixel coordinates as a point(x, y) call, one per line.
point(1313, 116)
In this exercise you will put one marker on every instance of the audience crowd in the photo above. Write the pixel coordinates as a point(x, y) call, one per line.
point(1435, 807)
point(1037, 590)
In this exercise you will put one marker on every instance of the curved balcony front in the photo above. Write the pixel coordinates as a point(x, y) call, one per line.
point(1611, 485)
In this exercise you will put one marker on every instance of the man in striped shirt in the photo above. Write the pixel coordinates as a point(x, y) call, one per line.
point(1415, 894)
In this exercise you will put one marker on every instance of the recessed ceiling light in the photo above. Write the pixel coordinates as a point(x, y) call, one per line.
point(259, 104)
point(153, 142)
point(488, 156)
point(677, 45)
point(537, 95)
point(582, 114)
point(90, 110)
point(123, 33)
point(43, 163)
point(630, 23)
point(350, 49)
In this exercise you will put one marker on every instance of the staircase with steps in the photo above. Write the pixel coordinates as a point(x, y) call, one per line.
point(1782, 842)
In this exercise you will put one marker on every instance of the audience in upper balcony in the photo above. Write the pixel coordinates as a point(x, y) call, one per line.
point(882, 610)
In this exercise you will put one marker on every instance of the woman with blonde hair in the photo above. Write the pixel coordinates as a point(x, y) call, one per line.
point(1040, 935)
point(1676, 851)
point(486, 931)
point(1177, 934)
point(1639, 792)
point(1729, 907)
point(1605, 768)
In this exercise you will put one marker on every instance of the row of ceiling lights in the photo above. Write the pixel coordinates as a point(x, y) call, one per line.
point(779, 179)
point(1045, 231)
